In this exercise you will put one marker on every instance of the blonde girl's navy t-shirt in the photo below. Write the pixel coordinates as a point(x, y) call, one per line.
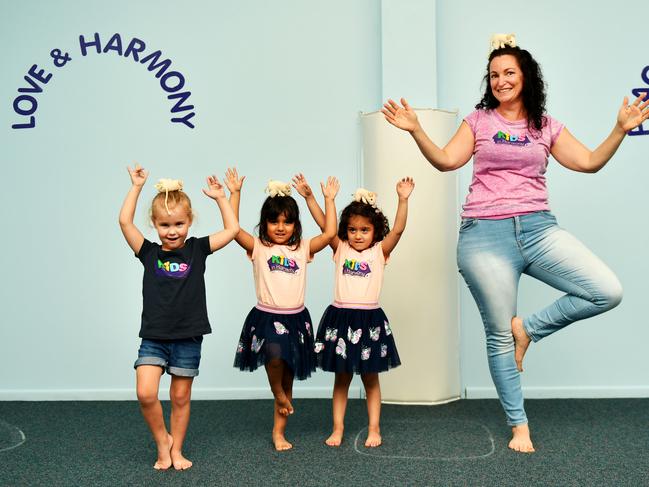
point(173, 290)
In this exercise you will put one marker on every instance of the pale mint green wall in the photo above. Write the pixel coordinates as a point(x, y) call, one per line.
point(277, 88)
point(592, 55)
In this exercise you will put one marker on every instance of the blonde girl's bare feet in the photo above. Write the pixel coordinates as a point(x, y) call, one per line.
point(521, 341)
point(336, 437)
point(521, 441)
point(280, 442)
point(179, 461)
point(373, 438)
point(164, 456)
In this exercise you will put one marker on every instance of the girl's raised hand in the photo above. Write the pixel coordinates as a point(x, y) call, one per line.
point(405, 187)
point(403, 117)
point(630, 116)
point(138, 175)
point(232, 180)
point(214, 189)
point(330, 190)
point(302, 187)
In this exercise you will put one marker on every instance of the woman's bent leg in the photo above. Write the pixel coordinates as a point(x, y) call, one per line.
point(563, 262)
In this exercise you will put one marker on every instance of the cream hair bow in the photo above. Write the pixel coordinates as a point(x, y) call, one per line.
point(365, 196)
point(167, 185)
point(277, 188)
point(498, 41)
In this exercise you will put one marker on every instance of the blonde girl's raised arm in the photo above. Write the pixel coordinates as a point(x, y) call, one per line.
point(234, 184)
point(131, 233)
point(216, 191)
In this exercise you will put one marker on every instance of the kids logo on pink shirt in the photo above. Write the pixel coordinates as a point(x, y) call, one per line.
point(172, 269)
point(282, 264)
point(510, 139)
point(353, 267)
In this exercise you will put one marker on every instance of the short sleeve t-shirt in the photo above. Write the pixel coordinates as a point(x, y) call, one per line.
point(280, 273)
point(173, 290)
point(509, 165)
point(359, 275)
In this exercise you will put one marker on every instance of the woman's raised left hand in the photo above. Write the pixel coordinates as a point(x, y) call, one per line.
point(630, 116)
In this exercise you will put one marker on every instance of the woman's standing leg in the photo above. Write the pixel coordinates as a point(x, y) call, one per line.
point(491, 263)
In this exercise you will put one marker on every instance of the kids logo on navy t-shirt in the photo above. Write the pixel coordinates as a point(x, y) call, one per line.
point(282, 264)
point(176, 270)
point(357, 268)
point(510, 139)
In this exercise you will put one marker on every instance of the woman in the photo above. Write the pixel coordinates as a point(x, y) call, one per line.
point(507, 228)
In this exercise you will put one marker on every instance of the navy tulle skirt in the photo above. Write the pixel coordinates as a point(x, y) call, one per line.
point(355, 341)
point(267, 336)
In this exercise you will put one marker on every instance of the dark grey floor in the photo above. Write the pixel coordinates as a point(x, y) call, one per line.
point(579, 442)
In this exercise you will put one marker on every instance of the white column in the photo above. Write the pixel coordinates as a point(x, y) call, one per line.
point(420, 291)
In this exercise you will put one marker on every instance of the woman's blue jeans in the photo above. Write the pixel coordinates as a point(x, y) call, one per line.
point(492, 255)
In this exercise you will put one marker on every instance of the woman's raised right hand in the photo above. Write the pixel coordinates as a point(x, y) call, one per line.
point(401, 116)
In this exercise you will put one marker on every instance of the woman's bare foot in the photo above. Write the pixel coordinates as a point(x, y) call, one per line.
point(164, 457)
point(283, 405)
point(521, 440)
point(373, 438)
point(280, 442)
point(179, 461)
point(336, 437)
point(521, 342)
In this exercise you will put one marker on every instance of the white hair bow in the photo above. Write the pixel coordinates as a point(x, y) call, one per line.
point(167, 185)
point(498, 41)
point(277, 188)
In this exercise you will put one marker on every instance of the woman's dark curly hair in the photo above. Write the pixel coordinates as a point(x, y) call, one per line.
point(533, 87)
point(376, 218)
point(272, 208)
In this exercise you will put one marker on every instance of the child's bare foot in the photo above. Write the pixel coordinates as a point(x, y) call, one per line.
point(521, 342)
point(521, 440)
point(280, 442)
point(179, 461)
point(164, 457)
point(283, 405)
point(336, 437)
point(373, 438)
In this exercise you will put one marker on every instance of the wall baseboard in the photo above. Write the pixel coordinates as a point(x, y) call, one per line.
point(563, 392)
point(198, 393)
point(355, 392)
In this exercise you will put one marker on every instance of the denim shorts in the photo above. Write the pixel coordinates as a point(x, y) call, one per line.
point(176, 357)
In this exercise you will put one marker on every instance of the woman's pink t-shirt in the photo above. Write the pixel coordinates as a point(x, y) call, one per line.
point(509, 165)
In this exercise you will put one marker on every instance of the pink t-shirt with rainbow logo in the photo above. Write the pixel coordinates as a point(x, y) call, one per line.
point(359, 276)
point(509, 165)
point(280, 274)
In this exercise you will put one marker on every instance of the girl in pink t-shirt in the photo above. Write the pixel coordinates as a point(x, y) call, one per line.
point(354, 335)
point(277, 332)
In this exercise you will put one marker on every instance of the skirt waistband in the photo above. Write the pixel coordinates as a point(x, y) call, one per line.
point(279, 311)
point(340, 304)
